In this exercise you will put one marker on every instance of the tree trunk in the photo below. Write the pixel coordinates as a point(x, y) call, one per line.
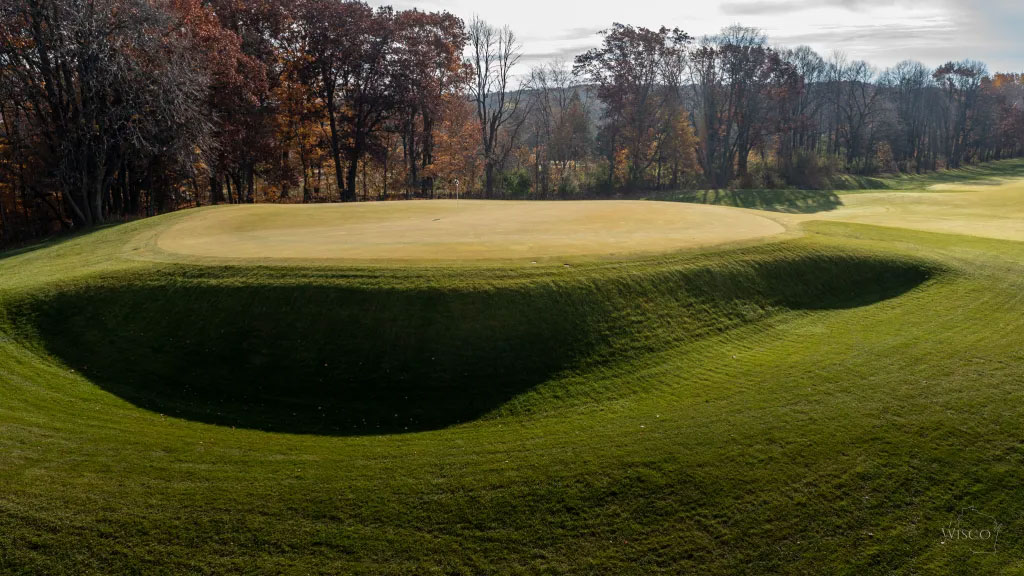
point(412, 156)
point(387, 155)
point(742, 163)
point(335, 148)
point(349, 192)
point(251, 178)
point(216, 190)
point(4, 228)
point(488, 179)
point(427, 152)
point(366, 193)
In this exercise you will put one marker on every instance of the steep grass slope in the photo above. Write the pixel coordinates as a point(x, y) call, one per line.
point(321, 356)
point(826, 404)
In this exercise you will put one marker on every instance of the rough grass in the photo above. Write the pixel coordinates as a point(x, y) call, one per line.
point(818, 405)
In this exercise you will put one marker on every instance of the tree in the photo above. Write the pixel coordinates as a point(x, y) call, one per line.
point(961, 85)
point(910, 85)
point(121, 108)
point(857, 103)
point(245, 104)
point(737, 83)
point(636, 71)
point(494, 53)
point(112, 88)
point(329, 46)
point(810, 67)
point(677, 148)
point(430, 69)
point(555, 98)
point(456, 145)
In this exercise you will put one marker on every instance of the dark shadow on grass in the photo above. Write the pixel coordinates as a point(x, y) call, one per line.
point(51, 241)
point(13, 251)
point(314, 359)
point(337, 360)
point(789, 201)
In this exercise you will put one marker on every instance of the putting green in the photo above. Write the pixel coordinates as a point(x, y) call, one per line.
point(449, 230)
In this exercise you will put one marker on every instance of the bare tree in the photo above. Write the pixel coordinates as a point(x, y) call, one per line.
point(495, 52)
point(961, 83)
point(737, 82)
point(855, 102)
point(552, 87)
point(909, 85)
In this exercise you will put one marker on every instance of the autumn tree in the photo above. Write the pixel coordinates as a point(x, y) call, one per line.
point(1006, 92)
point(246, 106)
point(676, 149)
point(115, 91)
point(237, 86)
point(299, 126)
point(558, 122)
point(636, 71)
point(328, 43)
point(456, 156)
point(429, 69)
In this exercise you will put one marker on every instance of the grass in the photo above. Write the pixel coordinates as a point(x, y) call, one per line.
point(845, 186)
point(791, 201)
point(821, 404)
point(988, 173)
point(456, 231)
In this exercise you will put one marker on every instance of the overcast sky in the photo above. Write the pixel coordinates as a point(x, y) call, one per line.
point(880, 31)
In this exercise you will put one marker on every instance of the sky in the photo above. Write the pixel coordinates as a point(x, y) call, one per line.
point(882, 32)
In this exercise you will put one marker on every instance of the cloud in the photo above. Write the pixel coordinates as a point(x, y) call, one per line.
point(936, 33)
point(577, 34)
point(558, 53)
point(750, 8)
point(881, 31)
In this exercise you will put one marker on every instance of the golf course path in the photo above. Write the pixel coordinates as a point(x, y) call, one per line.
point(451, 230)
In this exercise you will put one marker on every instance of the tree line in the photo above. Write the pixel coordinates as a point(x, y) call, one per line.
point(114, 109)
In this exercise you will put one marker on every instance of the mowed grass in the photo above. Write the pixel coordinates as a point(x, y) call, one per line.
point(812, 405)
point(454, 231)
point(991, 176)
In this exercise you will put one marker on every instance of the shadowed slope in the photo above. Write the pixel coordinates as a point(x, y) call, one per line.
point(792, 201)
point(330, 358)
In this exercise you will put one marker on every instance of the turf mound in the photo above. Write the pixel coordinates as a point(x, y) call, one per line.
point(450, 230)
point(327, 357)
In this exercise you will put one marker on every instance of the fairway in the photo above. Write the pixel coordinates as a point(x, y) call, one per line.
point(991, 210)
point(704, 390)
point(453, 230)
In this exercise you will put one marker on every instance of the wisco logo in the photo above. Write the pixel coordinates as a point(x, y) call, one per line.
point(971, 527)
